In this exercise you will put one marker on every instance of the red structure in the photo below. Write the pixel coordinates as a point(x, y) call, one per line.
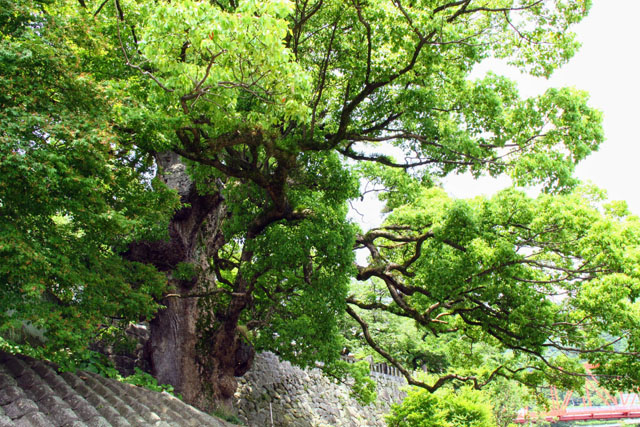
point(624, 405)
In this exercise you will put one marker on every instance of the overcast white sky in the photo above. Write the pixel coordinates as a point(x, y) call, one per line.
point(608, 67)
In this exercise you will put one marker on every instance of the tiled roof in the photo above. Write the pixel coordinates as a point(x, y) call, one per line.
point(33, 393)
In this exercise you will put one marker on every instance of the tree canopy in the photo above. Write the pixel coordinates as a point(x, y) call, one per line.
point(72, 189)
point(280, 110)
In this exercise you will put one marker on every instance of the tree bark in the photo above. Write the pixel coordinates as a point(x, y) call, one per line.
point(202, 372)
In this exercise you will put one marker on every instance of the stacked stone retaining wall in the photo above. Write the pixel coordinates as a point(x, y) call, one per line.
point(275, 393)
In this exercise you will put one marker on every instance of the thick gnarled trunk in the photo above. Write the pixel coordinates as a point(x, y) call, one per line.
point(202, 372)
point(172, 348)
point(230, 357)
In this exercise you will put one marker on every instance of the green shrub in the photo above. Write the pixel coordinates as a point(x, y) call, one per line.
point(461, 408)
point(225, 415)
point(144, 379)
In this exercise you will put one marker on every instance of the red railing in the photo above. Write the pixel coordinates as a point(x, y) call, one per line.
point(624, 405)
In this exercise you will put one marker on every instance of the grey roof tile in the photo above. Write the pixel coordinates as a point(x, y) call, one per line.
point(34, 419)
point(16, 366)
point(58, 410)
point(51, 401)
point(39, 391)
point(70, 379)
point(20, 407)
point(84, 410)
point(28, 379)
point(43, 370)
point(33, 393)
point(9, 394)
point(60, 386)
point(98, 422)
point(6, 380)
point(109, 413)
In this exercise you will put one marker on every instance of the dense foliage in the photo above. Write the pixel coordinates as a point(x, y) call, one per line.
point(73, 189)
point(504, 273)
point(281, 109)
point(420, 408)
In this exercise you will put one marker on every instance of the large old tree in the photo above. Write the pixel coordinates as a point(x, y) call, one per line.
point(264, 118)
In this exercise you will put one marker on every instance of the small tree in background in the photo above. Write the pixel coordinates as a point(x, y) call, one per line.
point(460, 408)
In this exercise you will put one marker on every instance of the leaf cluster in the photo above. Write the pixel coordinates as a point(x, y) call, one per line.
point(461, 408)
point(73, 192)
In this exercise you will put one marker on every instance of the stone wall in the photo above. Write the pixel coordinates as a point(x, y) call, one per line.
point(275, 393)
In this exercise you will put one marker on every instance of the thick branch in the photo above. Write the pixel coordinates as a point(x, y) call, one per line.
point(441, 381)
